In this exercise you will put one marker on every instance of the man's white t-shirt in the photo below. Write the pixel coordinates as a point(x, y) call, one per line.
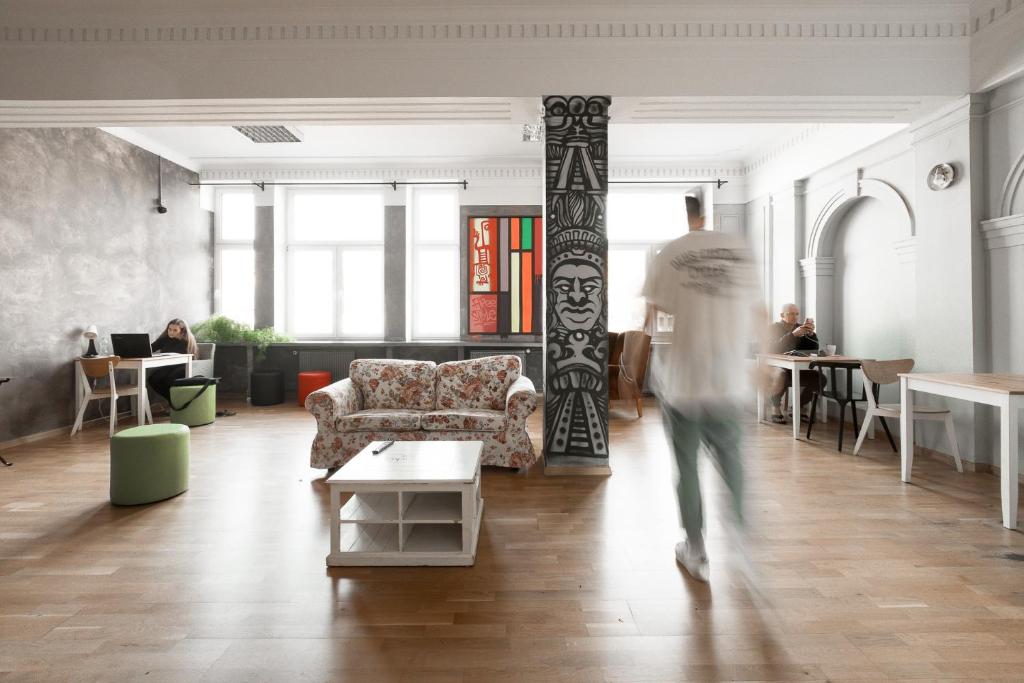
point(707, 281)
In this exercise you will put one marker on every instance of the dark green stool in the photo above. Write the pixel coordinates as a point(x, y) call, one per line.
point(148, 463)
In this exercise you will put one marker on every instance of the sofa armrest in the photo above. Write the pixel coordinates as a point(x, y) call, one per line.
point(520, 402)
point(333, 402)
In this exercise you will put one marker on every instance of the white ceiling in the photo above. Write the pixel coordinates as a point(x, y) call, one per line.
point(218, 147)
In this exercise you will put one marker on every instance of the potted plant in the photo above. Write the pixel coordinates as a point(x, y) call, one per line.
point(265, 388)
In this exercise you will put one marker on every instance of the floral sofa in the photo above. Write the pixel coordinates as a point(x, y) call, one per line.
point(485, 399)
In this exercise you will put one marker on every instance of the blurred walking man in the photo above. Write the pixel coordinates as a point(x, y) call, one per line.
point(706, 280)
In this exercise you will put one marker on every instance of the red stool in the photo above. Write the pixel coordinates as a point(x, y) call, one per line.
point(310, 382)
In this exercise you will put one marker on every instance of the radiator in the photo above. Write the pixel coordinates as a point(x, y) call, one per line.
point(336, 362)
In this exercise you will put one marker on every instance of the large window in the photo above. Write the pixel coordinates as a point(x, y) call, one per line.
point(640, 222)
point(234, 266)
point(433, 277)
point(335, 245)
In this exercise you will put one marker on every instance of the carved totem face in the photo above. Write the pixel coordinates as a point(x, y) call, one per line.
point(578, 288)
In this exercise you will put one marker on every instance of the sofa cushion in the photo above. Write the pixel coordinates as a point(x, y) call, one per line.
point(407, 384)
point(380, 419)
point(464, 420)
point(476, 383)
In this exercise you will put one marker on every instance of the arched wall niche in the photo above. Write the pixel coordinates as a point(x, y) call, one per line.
point(818, 266)
point(1012, 199)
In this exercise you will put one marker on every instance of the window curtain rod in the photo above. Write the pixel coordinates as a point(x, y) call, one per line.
point(717, 181)
point(393, 183)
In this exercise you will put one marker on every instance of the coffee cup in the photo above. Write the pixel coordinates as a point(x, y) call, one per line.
point(830, 349)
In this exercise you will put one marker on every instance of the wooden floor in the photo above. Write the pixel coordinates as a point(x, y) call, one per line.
point(862, 577)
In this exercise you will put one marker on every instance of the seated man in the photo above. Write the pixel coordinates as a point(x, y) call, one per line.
point(788, 334)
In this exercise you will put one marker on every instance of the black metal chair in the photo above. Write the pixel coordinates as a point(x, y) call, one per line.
point(841, 393)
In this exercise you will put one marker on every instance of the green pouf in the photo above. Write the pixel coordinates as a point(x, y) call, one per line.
point(202, 410)
point(148, 463)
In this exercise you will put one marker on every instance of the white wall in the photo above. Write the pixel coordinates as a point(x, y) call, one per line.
point(1003, 232)
point(874, 294)
point(916, 254)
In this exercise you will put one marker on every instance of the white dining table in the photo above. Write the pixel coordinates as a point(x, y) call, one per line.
point(139, 366)
point(1003, 391)
point(795, 364)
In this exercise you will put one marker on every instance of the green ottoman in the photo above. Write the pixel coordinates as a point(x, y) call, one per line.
point(193, 405)
point(148, 463)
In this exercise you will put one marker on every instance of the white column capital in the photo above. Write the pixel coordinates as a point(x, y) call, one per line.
point(818, 266)
point(906, 249)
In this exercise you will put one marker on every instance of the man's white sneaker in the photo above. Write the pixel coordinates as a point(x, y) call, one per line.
point(694, 562)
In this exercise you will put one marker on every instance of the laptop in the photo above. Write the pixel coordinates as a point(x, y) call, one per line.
point(131, 345)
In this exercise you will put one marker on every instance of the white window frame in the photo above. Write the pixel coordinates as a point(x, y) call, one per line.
point(414, 247)
point(660, 331)
point(337, 247)
point(220, 245)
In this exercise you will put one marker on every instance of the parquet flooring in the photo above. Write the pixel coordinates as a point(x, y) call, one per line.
point(861, 576)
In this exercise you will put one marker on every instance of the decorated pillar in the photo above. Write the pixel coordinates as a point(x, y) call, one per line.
point(576, 359)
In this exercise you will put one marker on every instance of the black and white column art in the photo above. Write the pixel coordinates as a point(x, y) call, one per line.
point(576, 369)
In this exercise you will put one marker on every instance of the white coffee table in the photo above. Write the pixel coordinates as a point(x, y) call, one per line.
point(417, 503)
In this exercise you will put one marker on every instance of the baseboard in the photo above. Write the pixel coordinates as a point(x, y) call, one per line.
point(56, 431)
point(946, 458)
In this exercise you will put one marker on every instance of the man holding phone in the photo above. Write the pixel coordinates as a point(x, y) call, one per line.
point(789, 334)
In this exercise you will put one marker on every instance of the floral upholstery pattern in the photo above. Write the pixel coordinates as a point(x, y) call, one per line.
point(509, 446)
point(464, 419)
point(388, 419)
point(477, 383)
point(407, 384)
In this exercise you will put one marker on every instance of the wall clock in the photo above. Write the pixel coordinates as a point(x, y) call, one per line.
point(941, 176)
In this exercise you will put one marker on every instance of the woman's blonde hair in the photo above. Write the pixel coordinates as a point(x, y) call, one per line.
point(193, 348)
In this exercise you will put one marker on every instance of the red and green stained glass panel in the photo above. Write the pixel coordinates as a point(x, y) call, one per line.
point(505, 269)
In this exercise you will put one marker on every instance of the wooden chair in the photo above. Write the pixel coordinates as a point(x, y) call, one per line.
point(636, 349)
point(877, 373)
point(96, 369)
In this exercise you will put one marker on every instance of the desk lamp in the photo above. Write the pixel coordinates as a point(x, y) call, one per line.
point(90, 334)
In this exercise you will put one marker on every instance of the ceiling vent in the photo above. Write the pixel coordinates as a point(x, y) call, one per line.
point(266, 134)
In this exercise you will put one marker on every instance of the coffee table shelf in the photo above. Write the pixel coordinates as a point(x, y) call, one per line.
point(417, 503)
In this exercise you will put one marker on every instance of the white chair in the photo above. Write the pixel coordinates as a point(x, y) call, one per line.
point(96, 369)
point(877, 373)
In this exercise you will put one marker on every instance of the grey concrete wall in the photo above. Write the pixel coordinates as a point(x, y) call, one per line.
point(394, 276)
point(263, 247)
point(81, 243)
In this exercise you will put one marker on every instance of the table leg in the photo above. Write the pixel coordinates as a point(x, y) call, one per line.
point(760, 392)
point(797, 408)
point(79, 389)
point(906, 429)
point(468, 516)
point(1009, 462)
point(335, 520)
point(143, 397)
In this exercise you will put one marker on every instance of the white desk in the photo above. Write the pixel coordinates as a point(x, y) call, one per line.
point(1005, 392)
point(139, 365)
point(794, 364)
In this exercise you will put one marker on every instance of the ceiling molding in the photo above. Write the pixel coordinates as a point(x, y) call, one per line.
point(514, 31)
point(314, 111)
point(781, 149)
point(822, 109)
point(532, 172)
point(504, 173)
point(991, 12)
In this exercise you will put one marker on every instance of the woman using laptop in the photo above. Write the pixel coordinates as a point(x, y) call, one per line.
point(177, 338)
